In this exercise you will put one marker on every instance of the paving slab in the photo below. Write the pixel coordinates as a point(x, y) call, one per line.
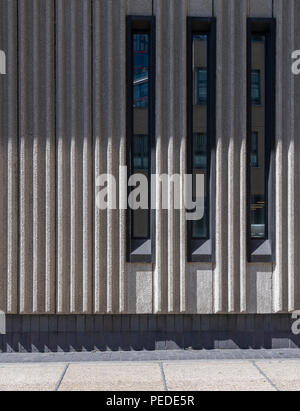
point(113, 377)
point(179, 375)
point(215, 376)
point(30, 377)
point(285, 374)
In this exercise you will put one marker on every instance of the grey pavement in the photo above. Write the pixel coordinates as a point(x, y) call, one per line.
point(262, 370)
point(164, 355)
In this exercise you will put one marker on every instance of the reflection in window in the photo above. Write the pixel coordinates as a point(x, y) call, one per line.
point(200, 229)
point(257, 216)
point(140, 70)
point(140, 138)
point(200, 151)
point(255, 87)
point(257, 38)
point(141, 43)
point(200, 86)
point(254, 149)
point(257, 144)
point(140, 153)
point(141, 93)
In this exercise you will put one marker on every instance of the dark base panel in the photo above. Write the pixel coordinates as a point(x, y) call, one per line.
point(53, 333)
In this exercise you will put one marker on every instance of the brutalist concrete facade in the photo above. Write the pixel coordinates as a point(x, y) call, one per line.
point(63, 122)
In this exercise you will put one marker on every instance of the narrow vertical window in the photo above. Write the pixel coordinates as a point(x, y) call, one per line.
point(261, 64)
point(201, 130)
point(140, 131)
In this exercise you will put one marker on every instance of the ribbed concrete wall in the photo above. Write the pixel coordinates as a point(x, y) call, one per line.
point(62, 123)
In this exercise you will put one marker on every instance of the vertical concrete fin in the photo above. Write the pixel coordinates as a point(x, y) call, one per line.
point(237, 134)
point(295, 222)
point(159, 247)
point(9, 160)
point(100, 160)
point(110, 153)
point(87, 175)
point(222, 114)
point(181, 76)
point(233, 183)
point(120, 102)
point(241, 139)
point(170, 120)
point(293, 132)
point(26, 139)
point(282, 118)
point(37, 162)
point(74, 157)
point(62, 172)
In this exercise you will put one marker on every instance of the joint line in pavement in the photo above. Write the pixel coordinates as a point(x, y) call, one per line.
point(163, 376)
point(265, 375)
point(62, 377)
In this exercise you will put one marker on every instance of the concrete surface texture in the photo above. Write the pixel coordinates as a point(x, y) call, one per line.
point(197, 375)
point(62, 255)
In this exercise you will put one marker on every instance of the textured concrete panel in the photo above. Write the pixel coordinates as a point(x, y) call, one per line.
point(200, 289)
point(37, 156)
point(58, 253)
point(110, 377)
point(109, 131)
point(284, 374)
point(213, 376)
point(198, 8)
point(9, 229)
point(34, 377)
point(140, 289)
point(170, 268)
point(74, 157)
point(259, 281)
point(260, 8)
point(139, 7)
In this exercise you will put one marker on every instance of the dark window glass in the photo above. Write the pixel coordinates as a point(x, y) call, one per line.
point(254, 149)
point(255, 87)
point(258, 174)
point(200, 229)
point(200, 151)
point(141, 43)
point(140, 143)
point(140, 153)
point(141, 70)
point(258, 216)
point(257, 38)
point(200, 86)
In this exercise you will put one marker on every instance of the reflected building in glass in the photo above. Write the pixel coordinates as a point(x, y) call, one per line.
point(141, 141)
point(200, 163)
point(257, 144)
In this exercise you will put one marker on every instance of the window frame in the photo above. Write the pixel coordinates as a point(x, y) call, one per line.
point(263, 250)
point(140, 250)
point(202, 250)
